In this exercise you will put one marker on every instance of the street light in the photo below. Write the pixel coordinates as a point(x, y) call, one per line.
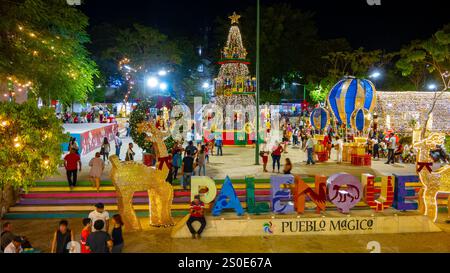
point(163, 86)
point(152, 82)
point(162, 72)
point(375, 75)
point(432, 86)
point(205, 85)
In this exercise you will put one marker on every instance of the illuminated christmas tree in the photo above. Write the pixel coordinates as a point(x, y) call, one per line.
point(234, 84)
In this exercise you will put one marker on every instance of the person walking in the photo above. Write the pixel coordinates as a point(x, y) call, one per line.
point(127, 128)
point(276, 156)
point(187, 169)
point(295, 136)
point(309, 147)
point(73, 144)
point(176, 163)
point(118, 143)
point(105, 149)
point(287, 166)
point(219, 144)
point(62, 237)
point(201, 161)
point(72, 163)
point(97, 166)
point(339, 146)
point(391, 149)
point(375, 148)
point(116, 234)
point(130, 153)
point(87, 226)
point(196, 214)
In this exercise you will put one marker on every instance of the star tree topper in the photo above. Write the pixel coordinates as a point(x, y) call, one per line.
point(234, 18)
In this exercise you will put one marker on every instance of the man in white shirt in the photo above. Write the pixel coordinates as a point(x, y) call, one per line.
point(100, 214)
point(310, 150)
point(15, 246)
point(339, 145)
point(128, 128)
point(118, 143)
point(391, 148)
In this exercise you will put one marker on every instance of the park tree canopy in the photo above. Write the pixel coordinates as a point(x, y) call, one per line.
point(31, 139)
point(42, 42)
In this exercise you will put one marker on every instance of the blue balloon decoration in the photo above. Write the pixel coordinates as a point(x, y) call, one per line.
point(319, 118)
point(227, 199)
point(350, 94)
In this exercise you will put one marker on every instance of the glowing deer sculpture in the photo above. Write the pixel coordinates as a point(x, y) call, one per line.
point(130, 177)
point(433, 181)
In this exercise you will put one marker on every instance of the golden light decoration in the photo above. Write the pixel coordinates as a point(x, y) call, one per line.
point(130, 177)
point(433, 182)
point(234, 18)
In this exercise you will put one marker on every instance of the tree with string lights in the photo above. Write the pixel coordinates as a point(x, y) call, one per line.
point(234, 85)
point(31, 139)
point(42, 50)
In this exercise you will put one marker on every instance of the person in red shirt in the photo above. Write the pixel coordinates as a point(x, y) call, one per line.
point(84, 234)
point(71, 162)
point(276, 156)
point(197, 214)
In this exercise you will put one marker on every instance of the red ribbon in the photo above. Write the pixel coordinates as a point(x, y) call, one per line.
point(163, 160)
point(427, 165)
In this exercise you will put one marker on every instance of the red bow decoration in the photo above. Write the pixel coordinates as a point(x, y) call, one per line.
point(163, 160)
point(427, 165)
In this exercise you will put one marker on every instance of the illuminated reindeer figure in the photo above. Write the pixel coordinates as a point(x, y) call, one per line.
point(433, 181)
point(130, 177)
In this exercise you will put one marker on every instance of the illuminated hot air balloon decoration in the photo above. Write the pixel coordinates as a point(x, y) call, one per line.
point(352, 97)
point(320, 118)
point(361, 119)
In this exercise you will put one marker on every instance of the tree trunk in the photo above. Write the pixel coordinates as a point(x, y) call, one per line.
point(8, 197)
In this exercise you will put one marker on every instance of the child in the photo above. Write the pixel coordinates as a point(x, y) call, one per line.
point(116, 234)
point(84, 234)
point(176, 163)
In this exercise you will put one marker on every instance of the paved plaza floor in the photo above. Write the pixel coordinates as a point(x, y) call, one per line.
point(238, 163)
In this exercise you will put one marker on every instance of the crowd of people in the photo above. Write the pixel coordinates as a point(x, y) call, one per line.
point(92, 115)
point(96, 236)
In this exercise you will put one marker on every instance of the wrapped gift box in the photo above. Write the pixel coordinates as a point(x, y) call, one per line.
point(360, 150)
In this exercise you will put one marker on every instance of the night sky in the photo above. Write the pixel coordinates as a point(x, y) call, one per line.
point(388, 26)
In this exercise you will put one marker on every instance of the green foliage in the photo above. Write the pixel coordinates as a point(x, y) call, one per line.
point(43, 42)
point(39, 134)
point(432, 55)
point(447, 143)
point(142, 114)
point(319, 92)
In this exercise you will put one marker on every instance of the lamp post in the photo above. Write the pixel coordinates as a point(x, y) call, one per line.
point(257, 81)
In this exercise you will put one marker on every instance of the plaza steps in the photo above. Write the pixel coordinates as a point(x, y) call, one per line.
point(54, 200)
